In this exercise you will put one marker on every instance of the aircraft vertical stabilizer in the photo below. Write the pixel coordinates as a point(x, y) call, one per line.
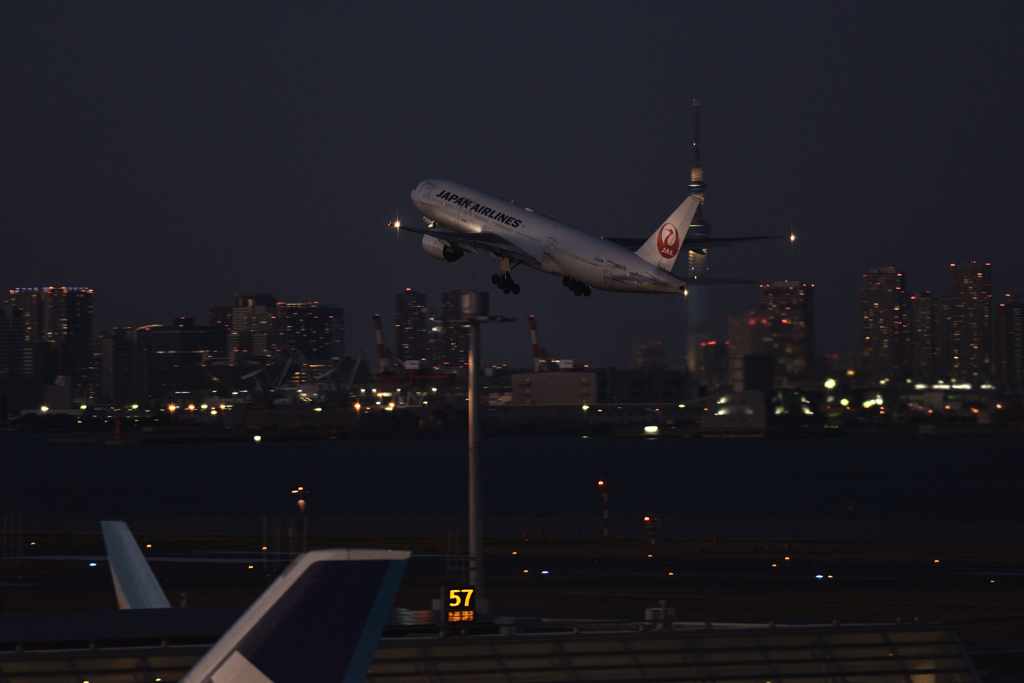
point(319, 621)
point(134, 583)
point(662, 248)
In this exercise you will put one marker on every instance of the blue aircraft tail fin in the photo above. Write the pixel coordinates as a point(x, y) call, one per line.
point(319, 621)
point(134, 583)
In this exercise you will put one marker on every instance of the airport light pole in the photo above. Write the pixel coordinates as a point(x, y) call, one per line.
point(476, 521)
point(302, 513)
point(472, 314)
point(603, 485)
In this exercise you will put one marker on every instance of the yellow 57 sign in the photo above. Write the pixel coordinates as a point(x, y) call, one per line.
point(461, 605)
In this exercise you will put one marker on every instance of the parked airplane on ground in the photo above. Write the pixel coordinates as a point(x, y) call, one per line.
point(134, 583)
point(319, 621)
point(461, 219)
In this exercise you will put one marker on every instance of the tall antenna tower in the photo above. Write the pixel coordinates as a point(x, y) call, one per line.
point(697, 306)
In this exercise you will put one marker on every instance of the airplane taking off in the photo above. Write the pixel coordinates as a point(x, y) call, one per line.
point(461, 219)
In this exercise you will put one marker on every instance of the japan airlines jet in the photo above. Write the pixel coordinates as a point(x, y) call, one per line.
point(461, 219)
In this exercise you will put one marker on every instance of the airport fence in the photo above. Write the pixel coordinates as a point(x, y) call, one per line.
point(278, 529)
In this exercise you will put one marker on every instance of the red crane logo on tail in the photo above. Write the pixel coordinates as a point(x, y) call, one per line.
point(668, 241)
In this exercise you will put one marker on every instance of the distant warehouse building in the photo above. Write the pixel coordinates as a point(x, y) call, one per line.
point(559, 388)
point(738, 413)
point(602, 385)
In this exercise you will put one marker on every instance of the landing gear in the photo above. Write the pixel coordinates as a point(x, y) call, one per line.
point(576, 287)
point(505, 283)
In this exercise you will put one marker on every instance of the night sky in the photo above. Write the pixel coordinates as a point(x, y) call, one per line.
point(171, 155)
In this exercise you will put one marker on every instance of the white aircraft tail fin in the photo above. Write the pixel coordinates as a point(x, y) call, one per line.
point(134, 583)
point(665, 244)
point(319, 621)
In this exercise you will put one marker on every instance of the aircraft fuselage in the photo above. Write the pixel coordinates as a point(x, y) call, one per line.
point(555, 247)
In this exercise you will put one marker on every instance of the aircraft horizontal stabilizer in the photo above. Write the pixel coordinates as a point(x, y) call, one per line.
point(692, 243)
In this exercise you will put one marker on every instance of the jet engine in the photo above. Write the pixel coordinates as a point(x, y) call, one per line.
point(440, 250)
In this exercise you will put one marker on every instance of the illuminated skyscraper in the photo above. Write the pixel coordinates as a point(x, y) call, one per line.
point(647, 356)
point(254, 327)
point(944, 307)
point(697, 307)
point(712, 364)
point(318, 331)
point(751, 364)
point(55, 314)
point(176, 354)
point(1008, 344)
point(970, 287)
point(923, 348)
point(790, 304)
point(883, 325)
point(124, 363)
point(220, 316)
point(412, 338)
point(58, 326)
point(14, 361)
point(451, 348)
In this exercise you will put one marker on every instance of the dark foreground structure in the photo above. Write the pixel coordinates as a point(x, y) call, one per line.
point(565, 609)
point(683, 654)
point(162, 645)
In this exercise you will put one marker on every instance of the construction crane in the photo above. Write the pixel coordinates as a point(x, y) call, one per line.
point(541, 358)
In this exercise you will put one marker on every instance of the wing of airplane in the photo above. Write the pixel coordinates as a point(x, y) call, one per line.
point(690, 280)
point(691, 243)
point(134, 583)
point(636, 278)
point(698, 243)
point(319, 621)
point(473, 241)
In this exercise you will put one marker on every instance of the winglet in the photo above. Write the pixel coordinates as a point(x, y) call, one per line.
point(662, 248)
point(319, 621)
point(134, 583)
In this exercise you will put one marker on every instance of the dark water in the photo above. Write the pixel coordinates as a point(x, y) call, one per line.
point(966, 478)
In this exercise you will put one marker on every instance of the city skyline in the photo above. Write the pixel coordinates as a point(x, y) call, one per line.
point(920, 334)
point(910, 343)
point(168, 153)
